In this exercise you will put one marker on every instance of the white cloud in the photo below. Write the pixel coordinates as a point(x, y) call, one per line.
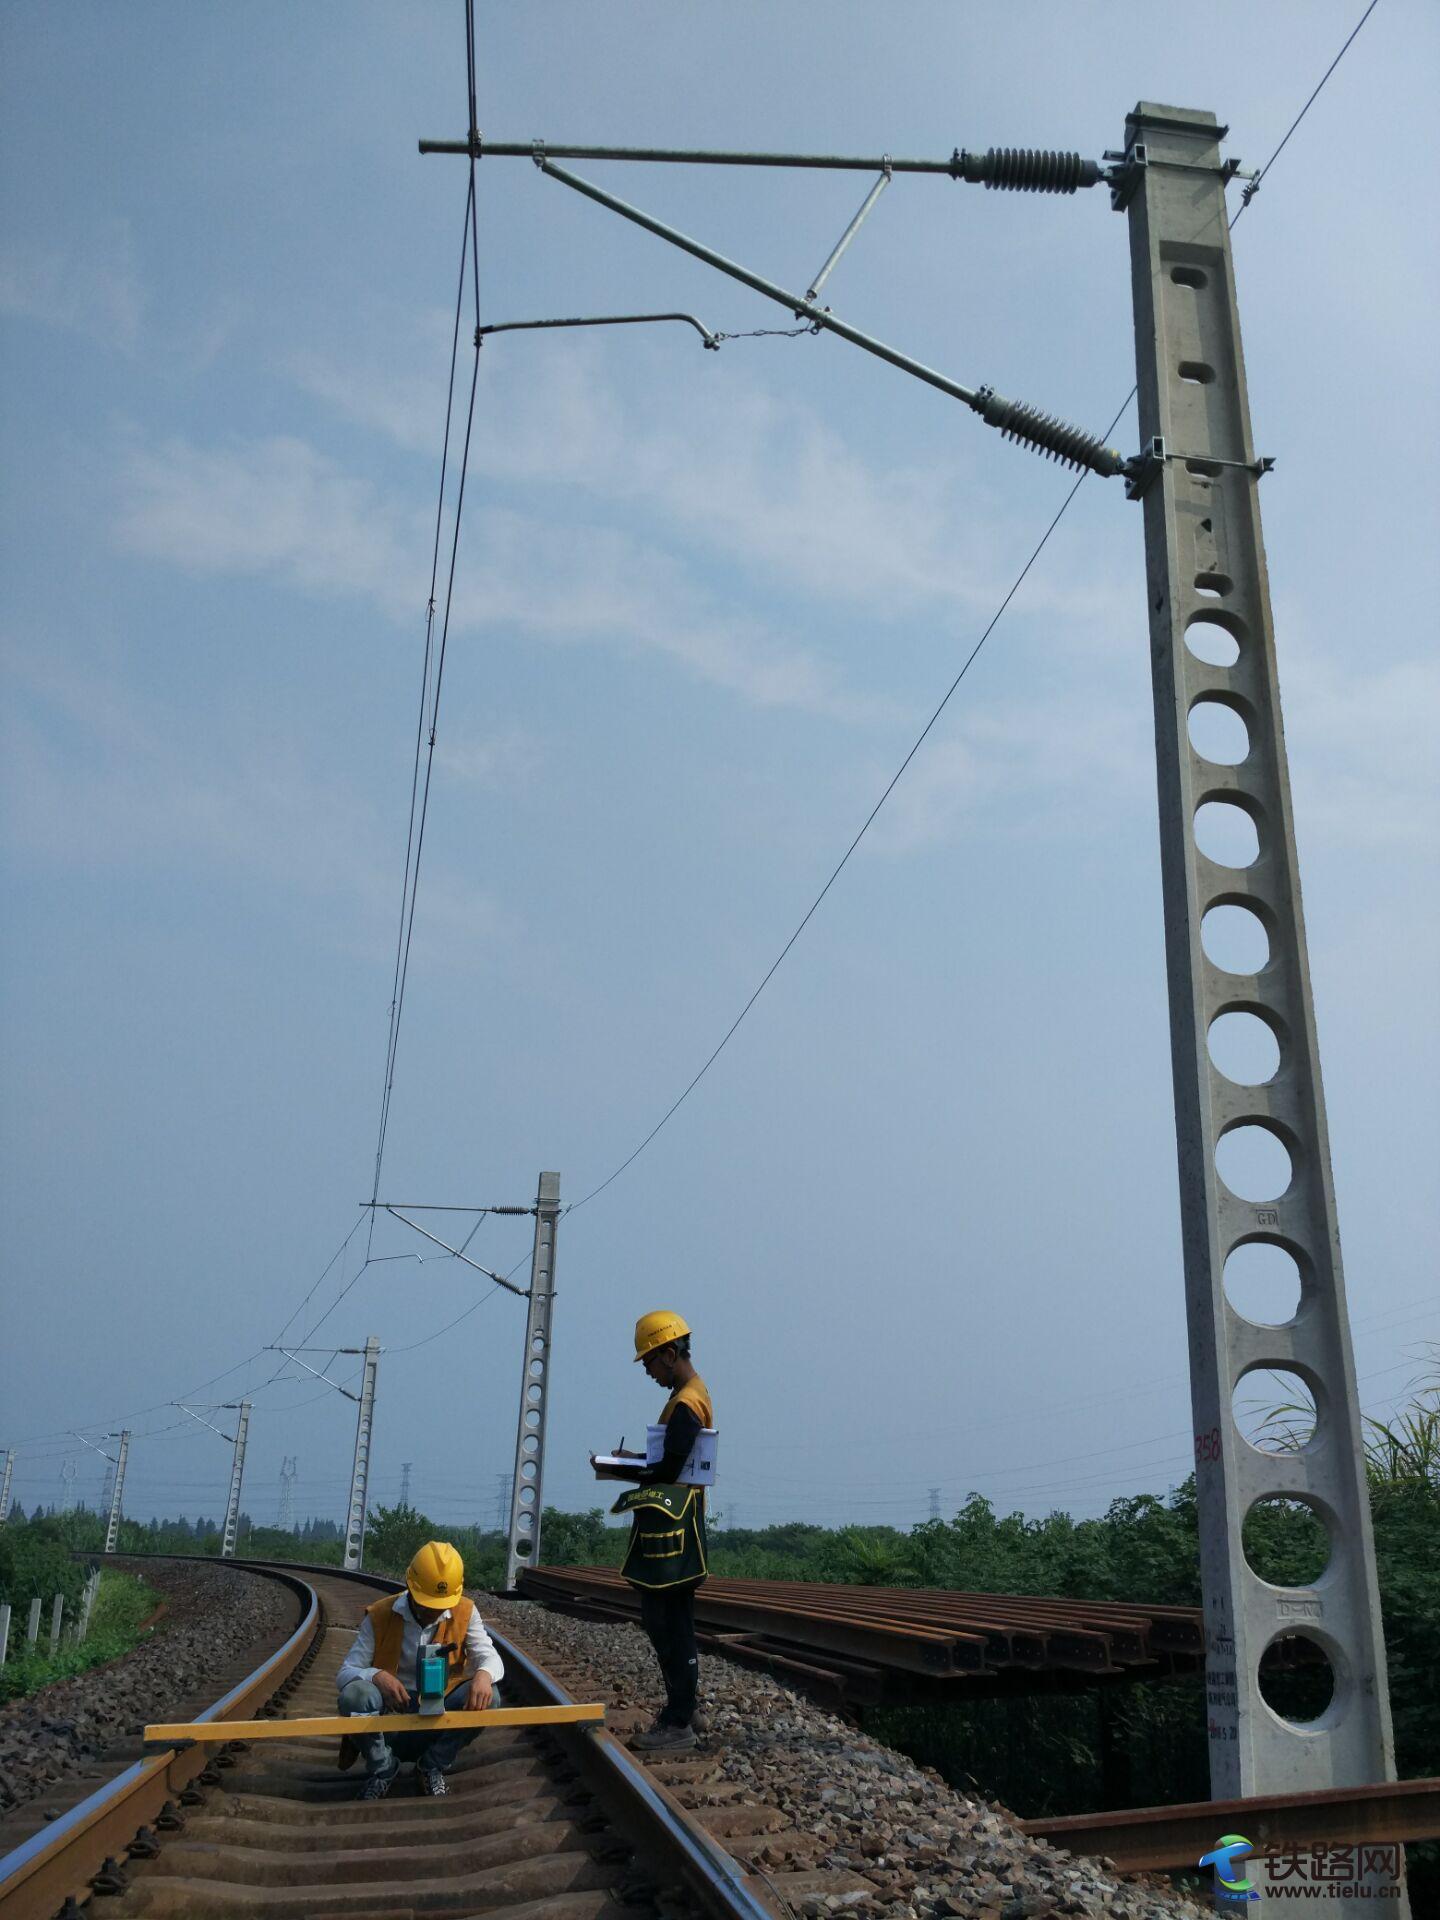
point(274, 507)
point(92, 286)
point(1362, 745)
point(277, 508)
point(760, 480)
point(1003, 766)
point(505, 762)
point(96, 778)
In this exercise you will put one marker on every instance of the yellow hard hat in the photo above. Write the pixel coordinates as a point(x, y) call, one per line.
point(436, 1576)
point(657, 1329)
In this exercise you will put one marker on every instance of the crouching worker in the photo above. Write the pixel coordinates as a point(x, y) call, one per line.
point(378, 1675)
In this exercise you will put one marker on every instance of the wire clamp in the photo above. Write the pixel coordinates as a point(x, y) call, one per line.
point(476, 150)
point(537, 153)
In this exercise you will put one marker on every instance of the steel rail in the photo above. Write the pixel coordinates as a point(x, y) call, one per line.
point(56, 1863)
point(931, 1632)
point(59, 1862)
point(714, 1876)
point(1150, 1839)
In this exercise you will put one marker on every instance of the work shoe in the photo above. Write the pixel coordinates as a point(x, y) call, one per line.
point(377, 1785)
point(664, 1739)
point(432, 1781)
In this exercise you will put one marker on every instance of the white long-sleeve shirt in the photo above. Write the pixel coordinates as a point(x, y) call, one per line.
point(479, 1648)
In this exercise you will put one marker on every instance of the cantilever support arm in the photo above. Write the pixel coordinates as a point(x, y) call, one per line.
point(291, 1353)
point(1041, 431)
point(499, 1278)
point(1023, 169)
point(182, 1408)
point(794, 302)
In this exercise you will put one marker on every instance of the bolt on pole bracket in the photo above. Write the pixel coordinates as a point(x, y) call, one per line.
point(1141, 470)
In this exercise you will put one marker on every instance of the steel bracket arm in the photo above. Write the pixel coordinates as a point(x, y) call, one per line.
point(1016, 169)
point(1041, 431)
point(793, 302)
point(499, 1278)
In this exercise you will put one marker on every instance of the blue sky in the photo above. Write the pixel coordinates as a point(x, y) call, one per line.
point(923, 1211)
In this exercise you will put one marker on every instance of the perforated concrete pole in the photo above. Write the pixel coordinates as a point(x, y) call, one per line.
point(117, 1493)
point(237, 1474)
point(527, 1488)
point(1205, 561)
point(360, 1470)
point(5, 1486)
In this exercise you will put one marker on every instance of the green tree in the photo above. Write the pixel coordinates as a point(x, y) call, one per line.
point(393, 1536)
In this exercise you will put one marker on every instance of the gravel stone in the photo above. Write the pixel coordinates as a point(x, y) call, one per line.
point(930, 1853)
point(216, 1616)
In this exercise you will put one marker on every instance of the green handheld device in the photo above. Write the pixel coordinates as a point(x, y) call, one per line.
point(431, 1669)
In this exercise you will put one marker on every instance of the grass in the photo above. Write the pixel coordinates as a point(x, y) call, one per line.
point(120, 1606)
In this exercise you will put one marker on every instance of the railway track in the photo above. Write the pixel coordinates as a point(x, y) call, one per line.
point(552, 1823)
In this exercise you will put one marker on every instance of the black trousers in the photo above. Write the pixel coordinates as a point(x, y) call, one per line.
point(668, 1617)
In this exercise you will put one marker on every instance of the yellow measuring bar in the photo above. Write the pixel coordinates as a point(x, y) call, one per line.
point(166, 1732)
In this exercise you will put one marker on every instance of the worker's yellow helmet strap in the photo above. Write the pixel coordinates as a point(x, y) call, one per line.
point(436, 1576)
point(658, 1329)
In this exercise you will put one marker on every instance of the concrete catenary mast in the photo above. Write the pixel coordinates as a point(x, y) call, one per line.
point(527, 1491)
point(1198, 480)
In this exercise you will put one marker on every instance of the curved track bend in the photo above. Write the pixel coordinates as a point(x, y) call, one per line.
point(553, 1823)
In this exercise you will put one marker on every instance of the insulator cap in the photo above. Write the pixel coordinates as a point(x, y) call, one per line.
point(1027, 169)
point(1055, 438)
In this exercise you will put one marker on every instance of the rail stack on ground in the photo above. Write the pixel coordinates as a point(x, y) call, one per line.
point(866, 1646)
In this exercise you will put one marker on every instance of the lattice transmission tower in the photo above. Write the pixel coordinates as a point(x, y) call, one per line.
point(285, 1512)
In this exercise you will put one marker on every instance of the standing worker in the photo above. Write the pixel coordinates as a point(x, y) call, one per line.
point(666, 1559)
point(379, 1671)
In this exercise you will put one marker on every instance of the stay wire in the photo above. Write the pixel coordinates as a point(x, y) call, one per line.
point(969, 661)
point(869, 821)
point(1253, 187)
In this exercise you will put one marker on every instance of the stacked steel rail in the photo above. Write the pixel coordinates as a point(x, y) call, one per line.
point(870, 1644)
point(560, 1819)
